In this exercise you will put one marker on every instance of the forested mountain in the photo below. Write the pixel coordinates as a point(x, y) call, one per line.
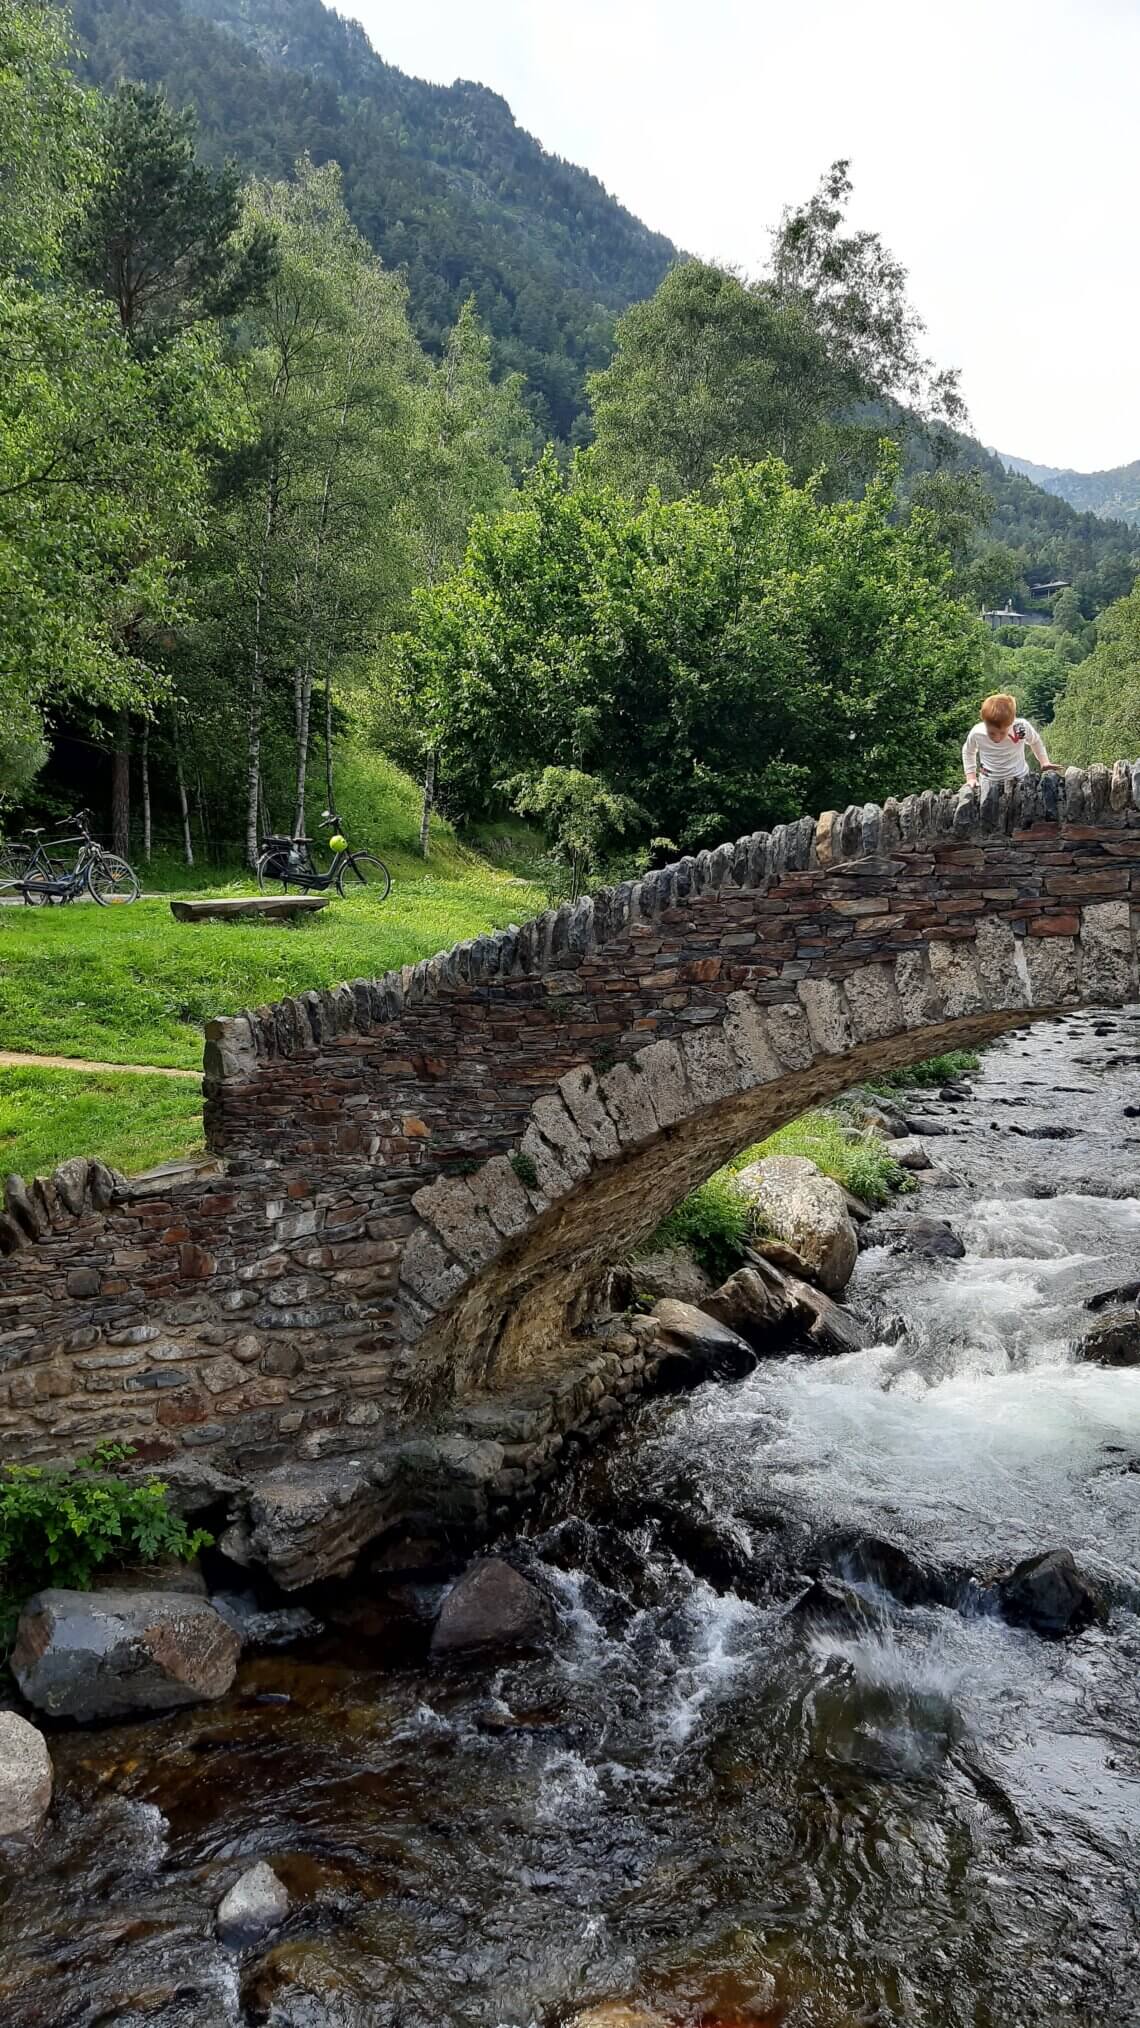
point(1112, 493)
point(441, 181)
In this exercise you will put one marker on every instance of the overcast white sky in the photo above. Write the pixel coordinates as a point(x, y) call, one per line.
point(993, 144)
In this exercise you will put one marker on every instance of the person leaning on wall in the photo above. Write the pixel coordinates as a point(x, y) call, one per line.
point(998, 747)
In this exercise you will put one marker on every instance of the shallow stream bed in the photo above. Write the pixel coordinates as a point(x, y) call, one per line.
point(703, 1801)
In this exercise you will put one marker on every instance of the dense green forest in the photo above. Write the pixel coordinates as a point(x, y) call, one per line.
point(1115, 493)
point(441, 181)
point(272, 499)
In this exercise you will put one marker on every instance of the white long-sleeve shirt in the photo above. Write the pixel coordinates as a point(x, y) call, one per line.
point(1002, 759)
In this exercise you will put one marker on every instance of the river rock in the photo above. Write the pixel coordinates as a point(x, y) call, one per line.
point(305, 1524)
point(696, 1338)
point(266, 1626)
point(909, 1153)
point(610, 2015)
point(25, 1776)
point(491, 1606)
point(926, 1238)
point(256, 1903)
point(921, 1123)
point(795, 1204)
point(1051, 1595)
point(672, 1272)
point(760, 1302)
point(109, 1654)
point(1114, 1340)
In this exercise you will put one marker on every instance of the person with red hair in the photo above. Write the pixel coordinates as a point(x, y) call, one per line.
point(998, 747)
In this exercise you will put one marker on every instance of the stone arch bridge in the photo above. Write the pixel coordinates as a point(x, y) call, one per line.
point(423, 1175)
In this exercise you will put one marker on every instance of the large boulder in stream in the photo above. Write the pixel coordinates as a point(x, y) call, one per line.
point(699, 1344)
point(926, 1238)
point(674, 1271)
point(491, 1606)
point(804, 1212)
point(110, 1654)
point(761, 1301)
point(1114, 1340)
point(25, 1776)
point(1051, 1595)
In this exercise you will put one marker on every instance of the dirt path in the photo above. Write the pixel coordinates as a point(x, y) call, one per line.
point(12, 1059)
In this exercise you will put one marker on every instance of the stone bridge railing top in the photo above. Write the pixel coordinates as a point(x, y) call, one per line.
point(1099, 796)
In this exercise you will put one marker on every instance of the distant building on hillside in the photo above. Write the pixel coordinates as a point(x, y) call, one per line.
point(1008, 616)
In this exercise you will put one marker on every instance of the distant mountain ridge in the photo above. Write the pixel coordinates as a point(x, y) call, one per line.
point(441, 179)
point(1112, 495)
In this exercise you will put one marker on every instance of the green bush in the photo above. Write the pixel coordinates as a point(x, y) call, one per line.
point(712, 1223)
point(59, 1525)
point(931, 1070)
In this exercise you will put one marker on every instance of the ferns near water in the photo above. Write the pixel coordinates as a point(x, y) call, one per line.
point(60, 1525)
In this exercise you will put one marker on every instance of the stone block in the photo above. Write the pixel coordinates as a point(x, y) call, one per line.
point(497, 1191)
point(465, 1230)
point(954, 967)
point(1106, 954)
point(629, 1104)
point(790, 1035)
point(873, 1002)
point(662, 1066)
point(711, 1066)
point(558, 1126)
point(580, 1091)
point(428, 1272)
point(828, 1021)
point(746, 1028)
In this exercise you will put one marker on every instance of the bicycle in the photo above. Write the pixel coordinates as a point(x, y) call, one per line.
point(14, 857)
point(103, 875)
point(288, 862)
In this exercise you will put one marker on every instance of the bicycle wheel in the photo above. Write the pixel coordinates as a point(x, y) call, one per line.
point(14, 858)
point(110, 880)
point(370, 876)
point(268, 874)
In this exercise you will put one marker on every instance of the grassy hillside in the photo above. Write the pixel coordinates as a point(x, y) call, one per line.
point(133, 986)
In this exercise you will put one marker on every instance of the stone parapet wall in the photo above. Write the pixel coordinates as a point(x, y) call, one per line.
point(424, 1175)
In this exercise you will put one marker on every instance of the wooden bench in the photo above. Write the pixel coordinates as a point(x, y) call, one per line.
point(248, 904)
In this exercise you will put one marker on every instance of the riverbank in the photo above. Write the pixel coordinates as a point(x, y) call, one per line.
point(747, 1775)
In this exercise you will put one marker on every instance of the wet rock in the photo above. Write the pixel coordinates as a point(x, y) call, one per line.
point(1045, 1132)
point(491, 1606)
point(754, 1303)
point(827, 1602)
point(673, 1272)
point(952, 1094)
point(926, 1238)
point(1114, 1340)
point(793, 1203)
point(909, 1153)
point(25, 1776)
point(886, 1566)
point(265, 1627)
point(308, 1523)
point(611, 2015)
point(255, 1904)
point(760, 1302)
point(1051, 1595)
point(1124, 1292)
point(922, 1123)
point(109, 1654)
point(697, 1339)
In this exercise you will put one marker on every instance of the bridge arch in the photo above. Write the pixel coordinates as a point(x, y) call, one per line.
point(530, 1104)
point(421, 1176)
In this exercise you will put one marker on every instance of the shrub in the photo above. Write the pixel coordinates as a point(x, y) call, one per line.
point(59, 1525)
point(931, 1070)
point(712, 1223)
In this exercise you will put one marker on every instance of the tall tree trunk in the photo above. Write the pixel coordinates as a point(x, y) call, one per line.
point(331, 804)
point(303, 682)
point(304, 704)
point(257, 673)
point(121, 784)
point(429, 799)
point(144, 766)
point(183, 804)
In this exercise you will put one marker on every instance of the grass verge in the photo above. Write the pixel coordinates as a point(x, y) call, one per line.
point(132, 1122)
point(930, 1071)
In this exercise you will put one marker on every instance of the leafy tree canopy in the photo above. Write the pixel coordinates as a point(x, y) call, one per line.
point(724, 662)
point(1098, 718)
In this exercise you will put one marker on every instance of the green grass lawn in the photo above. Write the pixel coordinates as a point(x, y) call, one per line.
point(129, 1121)
point(131, 985)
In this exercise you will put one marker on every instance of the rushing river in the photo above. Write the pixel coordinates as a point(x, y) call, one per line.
point(702, 1800)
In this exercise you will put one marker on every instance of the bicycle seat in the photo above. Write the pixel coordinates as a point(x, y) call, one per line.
point(32, 831)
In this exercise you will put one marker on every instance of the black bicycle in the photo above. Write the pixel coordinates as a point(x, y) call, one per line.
point(44, 883)
point(288, 862)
